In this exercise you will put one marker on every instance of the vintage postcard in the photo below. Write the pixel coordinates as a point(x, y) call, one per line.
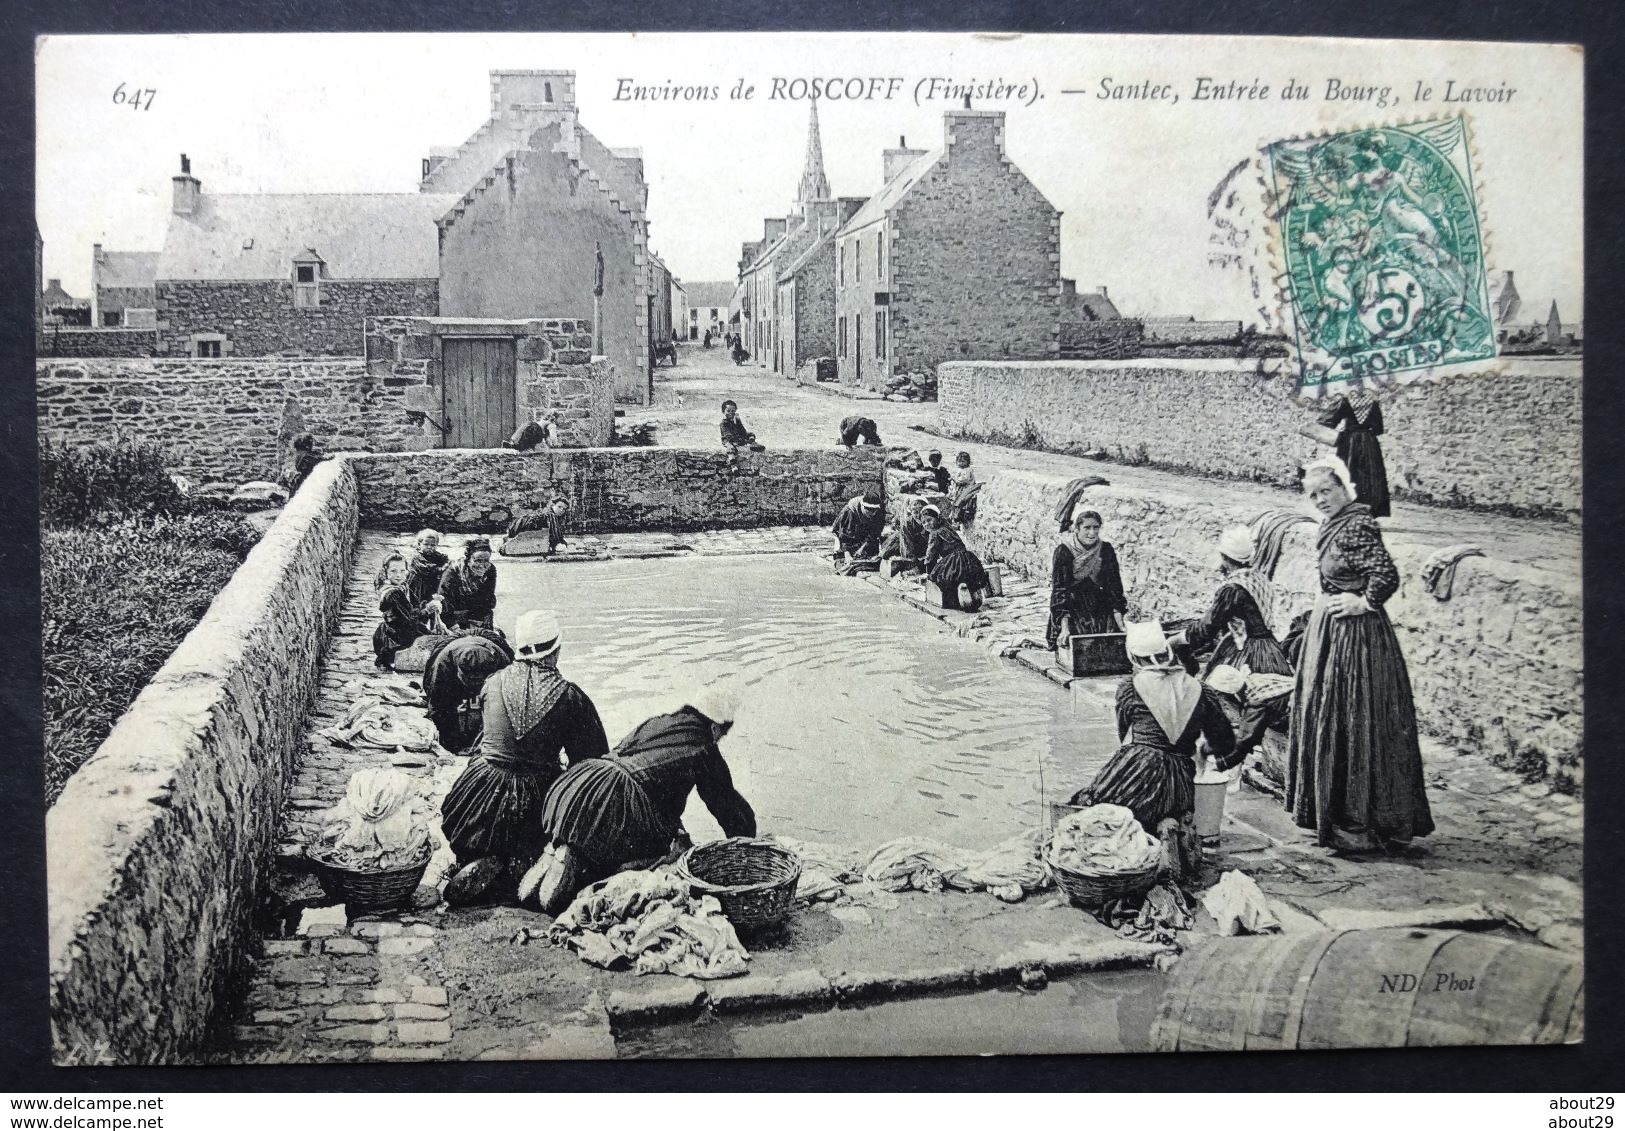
point(733, 545)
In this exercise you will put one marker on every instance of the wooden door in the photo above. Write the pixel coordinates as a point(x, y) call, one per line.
point(478, 376)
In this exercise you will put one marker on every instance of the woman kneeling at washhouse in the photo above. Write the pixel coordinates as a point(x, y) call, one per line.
point(492, 816)
point(626, 810)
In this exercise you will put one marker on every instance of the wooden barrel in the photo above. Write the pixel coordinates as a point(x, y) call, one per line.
point(1385, 988)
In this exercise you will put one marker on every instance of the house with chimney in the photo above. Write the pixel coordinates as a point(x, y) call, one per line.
point(122, 290)
point(957, 256)
point(531, 217)
point(806, 303)
point(707, 310)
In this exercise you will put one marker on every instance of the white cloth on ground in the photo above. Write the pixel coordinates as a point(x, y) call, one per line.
point(1009, 870)
point(652, 922)
point(1239, 906)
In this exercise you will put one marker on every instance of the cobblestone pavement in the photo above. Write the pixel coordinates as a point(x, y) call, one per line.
point(471, 984)
point(784, 413)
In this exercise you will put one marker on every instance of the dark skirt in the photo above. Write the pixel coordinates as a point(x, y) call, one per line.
point(1262, 654)
point(1354, 761)
point(1085, 622)
point(1152, 783)
point(495, 809)
point(1362, 452)
point(960, 568)
point(598, 808)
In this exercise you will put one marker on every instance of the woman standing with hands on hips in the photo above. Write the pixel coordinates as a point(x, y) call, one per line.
point(1354, 772)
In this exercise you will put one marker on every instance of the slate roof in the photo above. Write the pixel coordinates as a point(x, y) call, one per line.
point(1095, 307)
point(709, 294)
point(806, 257)
point(127, 269)
point(257, 235)
point(895, 189)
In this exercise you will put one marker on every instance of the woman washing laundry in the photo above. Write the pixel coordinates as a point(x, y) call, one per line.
point(951, 566)
point(492, 816)
point(909, 539)
point(858, 527)
point(453, 674)
point(1354, 772)
point(1162, 714)
point(467, 596)
point(1086, 584)
point(626, 809)
point(1240, 622)
point(425, 565)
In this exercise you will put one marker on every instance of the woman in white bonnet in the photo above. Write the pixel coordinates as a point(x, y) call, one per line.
point(1162, 713)
point(628, 808)
point(1240, 621)
point(1354, 772)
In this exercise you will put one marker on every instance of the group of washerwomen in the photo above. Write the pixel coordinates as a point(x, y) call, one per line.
point(1335, 684)
point(521, 823)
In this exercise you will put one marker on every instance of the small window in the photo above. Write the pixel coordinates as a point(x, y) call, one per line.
point(880, 255)
point(208, 347)
point(841, 350)
point(112, 318)
point(547, 92)
point(880, 333)
point(305, 273)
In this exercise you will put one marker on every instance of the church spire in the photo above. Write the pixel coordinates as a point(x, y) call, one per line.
point(814, 185)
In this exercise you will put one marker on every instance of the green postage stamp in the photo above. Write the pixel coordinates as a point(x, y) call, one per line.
point(1381, 250)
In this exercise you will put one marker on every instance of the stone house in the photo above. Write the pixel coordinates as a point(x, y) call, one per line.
point(60, 307)
point(958, 256)
point(122, 287)
point(1087, 306)
point(297, 274)
point(759, 280)
point(806, 305)
point(707, 309)
point(541, 199)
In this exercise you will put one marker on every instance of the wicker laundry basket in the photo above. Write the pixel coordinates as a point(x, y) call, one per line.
point(753, 880)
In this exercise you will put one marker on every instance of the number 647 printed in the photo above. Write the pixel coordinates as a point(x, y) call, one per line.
point(135, 99)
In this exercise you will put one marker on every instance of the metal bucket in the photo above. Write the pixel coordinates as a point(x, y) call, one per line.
point(1210, 807)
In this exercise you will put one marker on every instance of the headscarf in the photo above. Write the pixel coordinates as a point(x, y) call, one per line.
point(1261, 588)
point(1337, 467)
point(1086, 562)
point(529, 693)
point(1170, 695)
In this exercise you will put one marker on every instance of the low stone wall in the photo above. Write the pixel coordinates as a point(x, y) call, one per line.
point(95, 341)
point(231, 418)
point(1497, 669)
point(1109, 338)
point(613, 489)
point(1509, 440)
point(157, 846)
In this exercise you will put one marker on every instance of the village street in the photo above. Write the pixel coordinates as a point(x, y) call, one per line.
point(434, 983)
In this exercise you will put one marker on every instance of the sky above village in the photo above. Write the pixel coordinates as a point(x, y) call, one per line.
point(1131, 159)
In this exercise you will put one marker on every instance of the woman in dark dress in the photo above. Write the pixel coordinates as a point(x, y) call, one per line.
point(626, 808)
point(305, 458)
point(467, 597)
point(1239, 625)
point(1357, 416)
point(1354, 770)
point(1086, 585)
point(1161, 713)
point(453, 674)
point(908, 541)
point(951, 566)
point(858, 527)
point(492, 815)
point(402, 621)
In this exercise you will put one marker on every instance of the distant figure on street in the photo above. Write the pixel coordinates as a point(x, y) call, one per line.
point(734, 432)
point(933, 464)
point(855, 428)
point(740, 354)
point(468, 590)
point(858, 527)
point(706, 341)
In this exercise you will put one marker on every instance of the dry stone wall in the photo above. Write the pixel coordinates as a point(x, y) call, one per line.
point(95, 341)
point(1509, 440)
point(159, 843)
point(1497, 669)
point(231, 418)
point(259, 318)
point(613, 489)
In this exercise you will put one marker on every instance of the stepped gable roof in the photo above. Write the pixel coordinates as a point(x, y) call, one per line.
point(258, 235)
point(136, 269)
point(895, 189)
point(709, 294)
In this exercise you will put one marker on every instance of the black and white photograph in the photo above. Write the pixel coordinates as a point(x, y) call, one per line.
point(759, 545)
